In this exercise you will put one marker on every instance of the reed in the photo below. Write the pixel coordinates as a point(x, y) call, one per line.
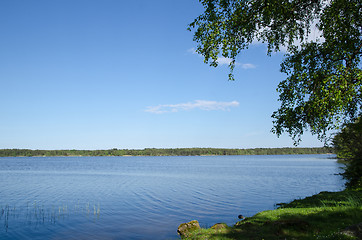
point(36, 213)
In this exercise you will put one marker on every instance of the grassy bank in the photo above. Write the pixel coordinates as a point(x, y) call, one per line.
point(322, 216)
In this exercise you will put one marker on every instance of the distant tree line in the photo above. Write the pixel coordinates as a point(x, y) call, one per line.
point(163, 152)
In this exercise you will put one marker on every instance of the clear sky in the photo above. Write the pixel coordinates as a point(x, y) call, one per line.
point(86, 74)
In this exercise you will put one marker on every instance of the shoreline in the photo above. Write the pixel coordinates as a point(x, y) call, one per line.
point(164, 152)
point(326, 215)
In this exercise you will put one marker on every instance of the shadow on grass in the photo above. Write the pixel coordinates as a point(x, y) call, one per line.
point(320, 225)
point(327, 199)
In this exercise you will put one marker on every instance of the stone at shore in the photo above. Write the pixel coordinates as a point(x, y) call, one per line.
point(218, 226)
point(354, 231)
point(186, 228)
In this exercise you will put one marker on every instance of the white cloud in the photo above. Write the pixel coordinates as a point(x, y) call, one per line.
point(314, 35)
point(224, 60)
point(192, 50)
point(198, 104)
point(247, 66)
point(227, 61)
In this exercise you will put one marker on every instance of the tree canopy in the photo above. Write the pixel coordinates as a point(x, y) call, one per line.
point(348, 146)
point(323, 84)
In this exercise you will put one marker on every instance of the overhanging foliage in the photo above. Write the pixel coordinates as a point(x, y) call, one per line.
point(323, 88)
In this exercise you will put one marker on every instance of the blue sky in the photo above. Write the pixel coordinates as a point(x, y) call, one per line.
point(85, 74)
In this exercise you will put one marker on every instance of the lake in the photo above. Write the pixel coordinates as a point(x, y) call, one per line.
point(148, 197)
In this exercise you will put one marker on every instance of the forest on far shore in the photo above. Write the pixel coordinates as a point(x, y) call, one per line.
point(163, 152)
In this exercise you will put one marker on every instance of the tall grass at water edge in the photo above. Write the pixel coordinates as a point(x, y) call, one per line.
point(35, 213)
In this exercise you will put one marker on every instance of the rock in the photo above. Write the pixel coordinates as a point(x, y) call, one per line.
point(186, 228)
point(218, 226)
point(354, 231)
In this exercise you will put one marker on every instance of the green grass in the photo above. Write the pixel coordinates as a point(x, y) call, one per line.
point(322, 216)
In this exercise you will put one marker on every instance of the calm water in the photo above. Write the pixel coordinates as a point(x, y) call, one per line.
point(148, 197)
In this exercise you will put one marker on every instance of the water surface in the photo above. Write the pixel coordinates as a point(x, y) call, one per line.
point(148, 197)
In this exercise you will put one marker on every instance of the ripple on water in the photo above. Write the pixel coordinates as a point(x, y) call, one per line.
point(148, 197)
